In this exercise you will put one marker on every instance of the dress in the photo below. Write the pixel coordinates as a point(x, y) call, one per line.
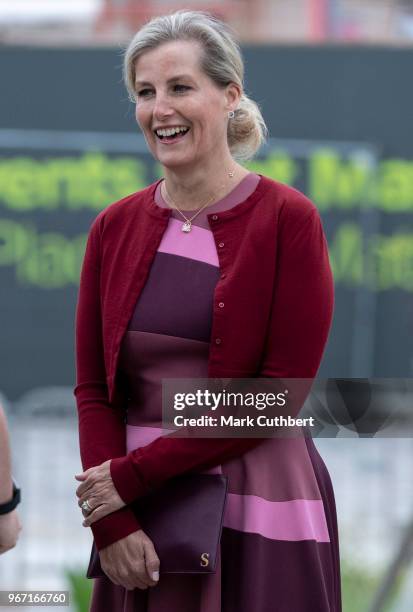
point(279, 547)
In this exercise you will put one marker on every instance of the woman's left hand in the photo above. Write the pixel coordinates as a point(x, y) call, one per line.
point(98, 489)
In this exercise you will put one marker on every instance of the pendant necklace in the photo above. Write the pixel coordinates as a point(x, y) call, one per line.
point(187, 225)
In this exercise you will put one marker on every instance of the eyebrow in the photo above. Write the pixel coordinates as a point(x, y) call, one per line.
point(171, 80)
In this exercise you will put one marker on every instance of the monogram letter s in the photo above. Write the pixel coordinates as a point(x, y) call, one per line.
point(204, 560)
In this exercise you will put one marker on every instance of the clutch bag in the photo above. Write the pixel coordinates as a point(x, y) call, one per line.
point(184, 521)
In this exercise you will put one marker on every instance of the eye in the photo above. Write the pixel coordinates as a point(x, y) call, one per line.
point(182, 87)
point(177, 87)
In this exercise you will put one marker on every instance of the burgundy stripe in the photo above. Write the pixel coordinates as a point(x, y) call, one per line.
point(262, 575)
point(177, 298)
point(278, 469)
point(147, 358)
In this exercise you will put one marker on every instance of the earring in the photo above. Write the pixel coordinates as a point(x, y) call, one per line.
point(231, 114)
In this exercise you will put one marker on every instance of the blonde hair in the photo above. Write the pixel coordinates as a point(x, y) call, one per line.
point(221, 61)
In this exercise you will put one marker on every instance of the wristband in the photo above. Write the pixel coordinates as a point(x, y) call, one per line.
point(10, 505)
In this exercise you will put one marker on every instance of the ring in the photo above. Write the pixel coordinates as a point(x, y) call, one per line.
point(86, 507)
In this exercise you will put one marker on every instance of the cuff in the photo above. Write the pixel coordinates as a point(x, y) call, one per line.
point(126, 481)
point(114, 527)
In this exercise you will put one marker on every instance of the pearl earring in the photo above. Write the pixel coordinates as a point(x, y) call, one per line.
point(231, 114)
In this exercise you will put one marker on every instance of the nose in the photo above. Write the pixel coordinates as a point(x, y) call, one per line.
point(162, 107)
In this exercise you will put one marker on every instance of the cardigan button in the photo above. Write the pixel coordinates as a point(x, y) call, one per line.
point(215, 217)
point(221, 304)
point(223, 275)
point(221, 244)
point(217, 340)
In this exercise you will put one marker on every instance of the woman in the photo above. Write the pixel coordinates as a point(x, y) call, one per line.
point(213, 271)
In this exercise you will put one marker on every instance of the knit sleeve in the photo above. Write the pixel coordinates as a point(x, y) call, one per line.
point(303, 301)
point(301, 315)
point(102, 431)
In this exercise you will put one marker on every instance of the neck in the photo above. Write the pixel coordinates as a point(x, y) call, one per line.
point(190, 190)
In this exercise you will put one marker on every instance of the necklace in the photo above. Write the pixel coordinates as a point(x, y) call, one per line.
point(187, 225)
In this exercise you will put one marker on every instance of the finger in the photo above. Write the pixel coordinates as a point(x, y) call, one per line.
point(84, 487)
point(112, 577)
point(91, 507)
point(98, 513)
point(126, 579)
point(86, 472)
point(84, 475)
point(151, 562)
point(130, 581)
point(140, 580)
point(136, 584)
point(142, 586)
point(91, 499)
point(93, 489)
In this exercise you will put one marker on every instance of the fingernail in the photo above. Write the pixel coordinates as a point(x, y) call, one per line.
point(155, 575)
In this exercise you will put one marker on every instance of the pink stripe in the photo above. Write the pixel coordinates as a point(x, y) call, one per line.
point(298, 519)
point(197, 244)
point(137, 436)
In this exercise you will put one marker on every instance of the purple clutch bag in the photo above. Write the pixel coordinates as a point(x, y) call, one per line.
point(184, 521)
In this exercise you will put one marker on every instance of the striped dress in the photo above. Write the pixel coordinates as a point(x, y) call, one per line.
point(279, 547)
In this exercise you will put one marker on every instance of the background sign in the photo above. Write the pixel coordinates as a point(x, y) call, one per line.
point(70, 147)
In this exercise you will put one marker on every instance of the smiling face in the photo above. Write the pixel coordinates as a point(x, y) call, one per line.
point(172, 91)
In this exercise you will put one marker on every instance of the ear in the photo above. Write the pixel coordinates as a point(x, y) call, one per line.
point(232, 96)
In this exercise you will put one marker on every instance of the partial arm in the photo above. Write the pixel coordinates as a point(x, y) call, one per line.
point(102, 431)
point(6, 483)
point(10, 525)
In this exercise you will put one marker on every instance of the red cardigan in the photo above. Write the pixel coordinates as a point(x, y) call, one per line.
point(277, 287)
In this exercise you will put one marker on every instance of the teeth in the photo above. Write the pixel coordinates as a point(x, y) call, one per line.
point(171, 131)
